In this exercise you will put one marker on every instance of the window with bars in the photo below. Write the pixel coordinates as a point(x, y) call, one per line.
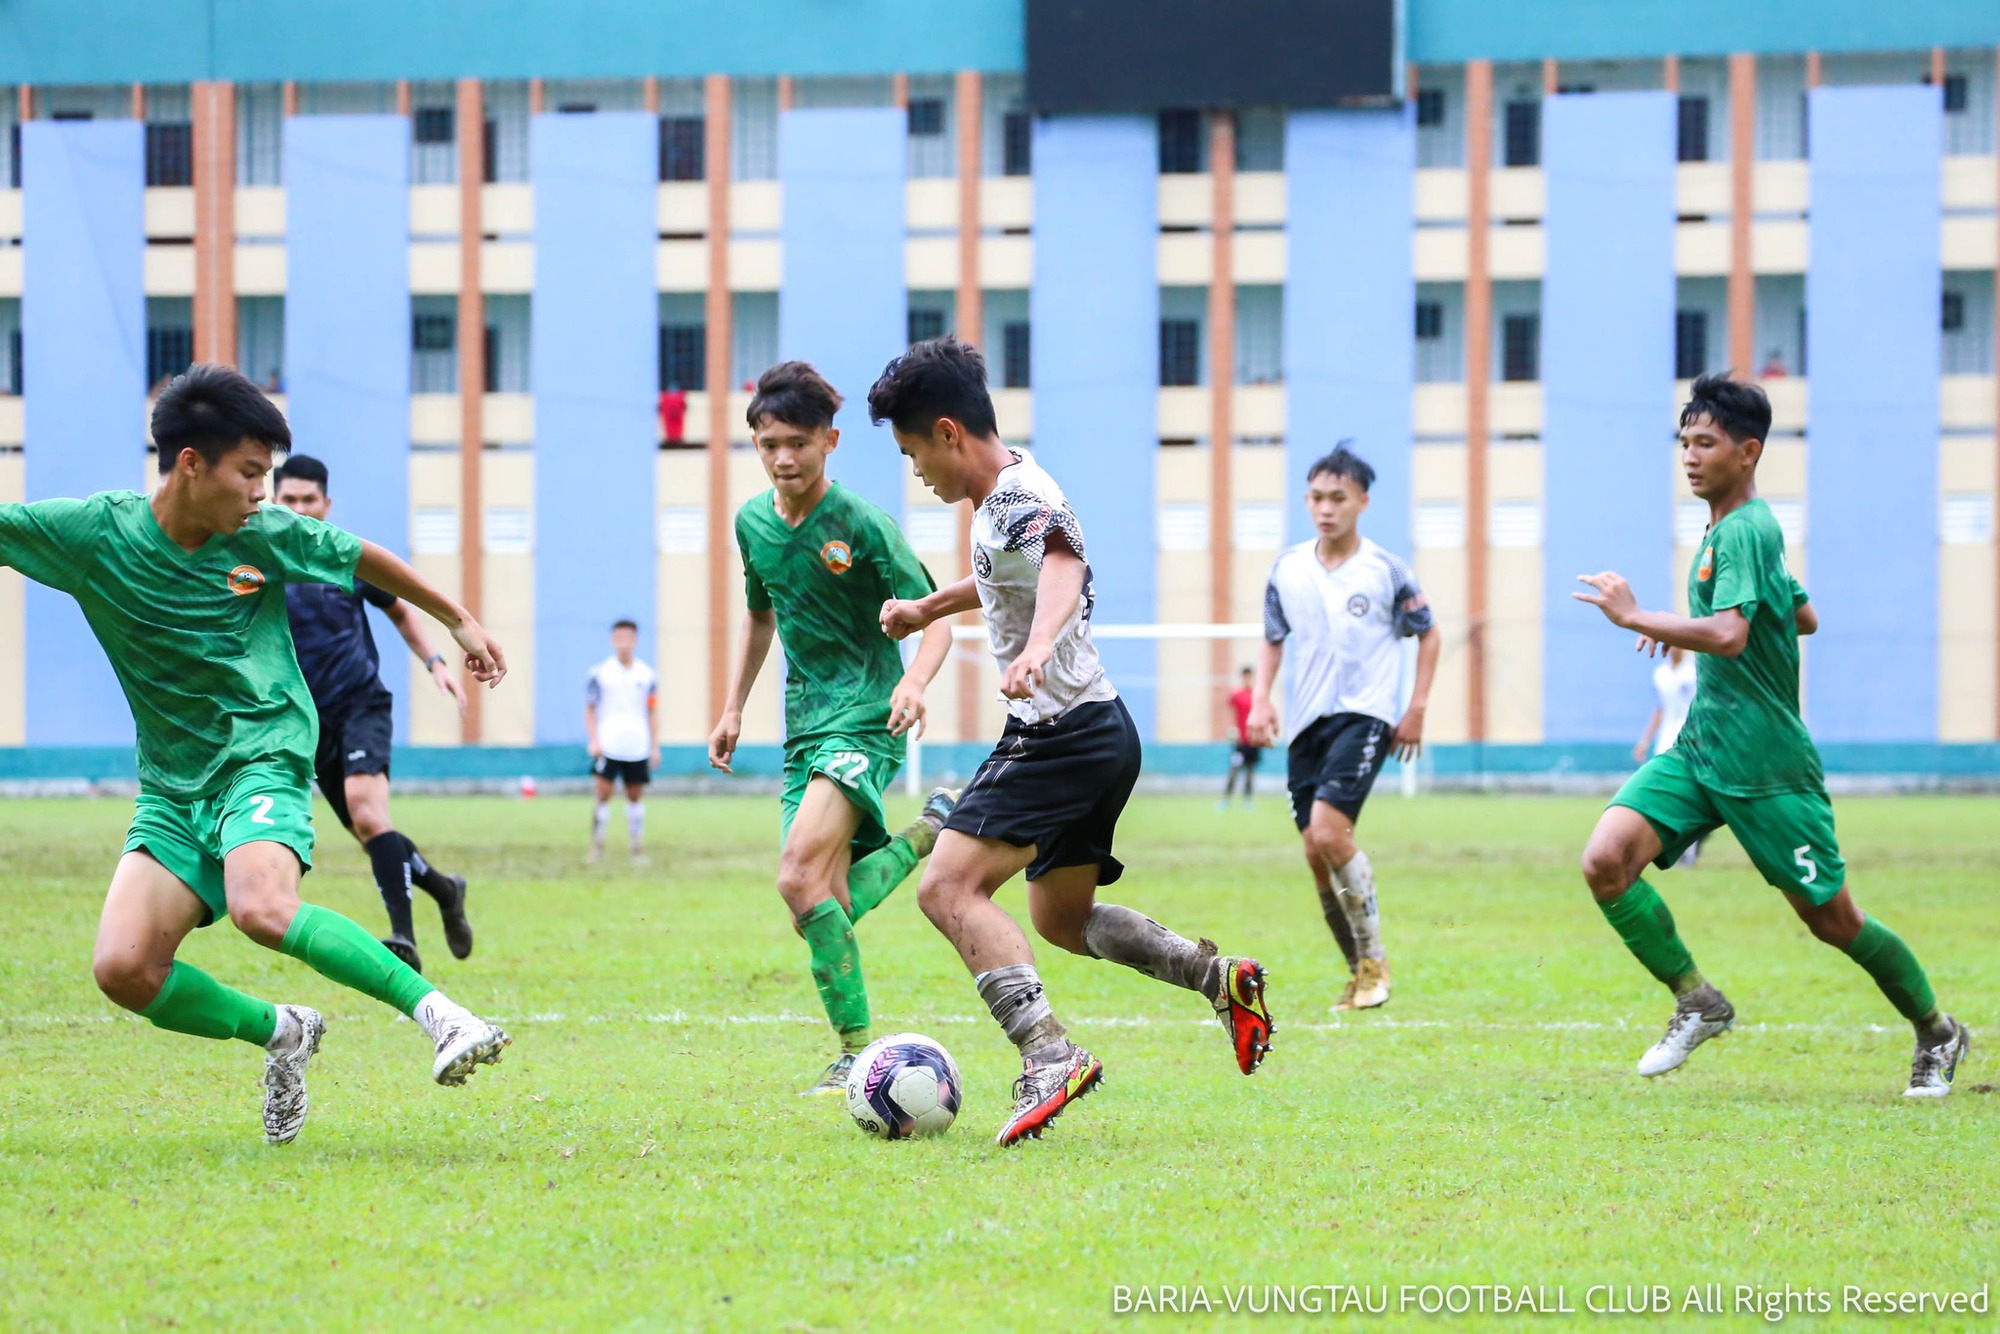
point(1017, 145)
point(1180, 142)
point(681, 148)
point(1430, 108)
point(12, 369)
point(1953, 313)
point(1180, 352)
point(1520, 347)
point(1690, 343)
point(1691, 133)
point(169, 351)
point(433, 345)
point(925, 324)
point(433, 333)
point(1955, 94)
point(1521, 135)
point(169, 153)
point(433, 125)
point(1014, 355)
point(1430, 321)
point(684, 357)
point(926, 116)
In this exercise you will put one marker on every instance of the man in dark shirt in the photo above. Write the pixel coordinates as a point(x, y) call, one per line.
point(336, 652)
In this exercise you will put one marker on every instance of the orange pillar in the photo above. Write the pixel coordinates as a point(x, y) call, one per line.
point(1742, 212)
point(721, 529)
point(1478, 376)
point(214, 106)
point(470, 117)
point(1996, 412)
point(1670, 74)
point(1221, 397)
point(971, 320)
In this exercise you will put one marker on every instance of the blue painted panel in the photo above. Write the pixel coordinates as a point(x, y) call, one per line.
point(593, 349)
point(841, 299)
point(1446, 31)
point(1350, 301)
point(1095, 363)
point(1608, 384)
point(1872, 296)
point(347, 331)
point(83, 325)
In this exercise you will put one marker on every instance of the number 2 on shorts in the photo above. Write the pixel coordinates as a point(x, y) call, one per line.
point(260, 810)
point(1802, 856)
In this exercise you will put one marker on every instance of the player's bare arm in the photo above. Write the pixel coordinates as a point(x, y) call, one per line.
point(1408, 739)
point(906, 702)
point(753, 645)
point(393, 575)
point(1722, 635)
point(1807, 618)
point(903, 617)
point(1263, 720)
point(1058, 591)
point(412, 630)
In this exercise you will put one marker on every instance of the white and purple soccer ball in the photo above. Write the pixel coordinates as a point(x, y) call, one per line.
point(903, 1085)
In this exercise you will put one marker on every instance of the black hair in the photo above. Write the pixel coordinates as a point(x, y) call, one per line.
point(794, 393)
point(301, 468)
point(1739, 408)
point(212, 409)
point(1343, 462)
point(939, 377)
point(625, 623)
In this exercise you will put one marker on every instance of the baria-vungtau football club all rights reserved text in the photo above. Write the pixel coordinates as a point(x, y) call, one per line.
point(1765, 1301)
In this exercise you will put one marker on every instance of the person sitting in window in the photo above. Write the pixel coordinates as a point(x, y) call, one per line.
point(1774, 366)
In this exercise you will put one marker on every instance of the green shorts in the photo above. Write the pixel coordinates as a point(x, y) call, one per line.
point(264, 803)
point(863, 769)
point(1789, 835)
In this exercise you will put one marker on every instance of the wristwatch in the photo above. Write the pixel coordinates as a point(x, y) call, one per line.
point(430, 663)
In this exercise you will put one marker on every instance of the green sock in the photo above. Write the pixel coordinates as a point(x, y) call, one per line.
point(1895, 970)
point(836, 970)
point(1641, 919)
point(337, 948)
point(193, 1002)
point(876, 876)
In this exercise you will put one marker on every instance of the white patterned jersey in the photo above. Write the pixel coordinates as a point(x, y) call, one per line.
point(622, 694)
point(1340, 629)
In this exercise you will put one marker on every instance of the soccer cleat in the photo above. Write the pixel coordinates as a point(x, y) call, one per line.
point(1699, 1016)
point(1931, 1071)
point(1239, 1004)
point(1042, 1091)
point(406, 950)
point(1346, 1001)
point(464, 1043)
point(1369, 987)
point(285, 1077)
point(451, 907)
point(922, 833)
point(834, 1082)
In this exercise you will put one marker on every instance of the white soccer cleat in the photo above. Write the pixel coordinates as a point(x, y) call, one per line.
point(285, 1075)
point(1369, 987)
point(1692, 1025)
point(1931, 1071)
point(463, 1042)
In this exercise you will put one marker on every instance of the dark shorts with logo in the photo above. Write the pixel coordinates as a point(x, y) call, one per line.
point(354, 738)
point(621, 773)
point(1336, 760)
point(1059, 786)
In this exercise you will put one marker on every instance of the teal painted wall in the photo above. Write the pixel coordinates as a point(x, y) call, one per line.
point(167, 41)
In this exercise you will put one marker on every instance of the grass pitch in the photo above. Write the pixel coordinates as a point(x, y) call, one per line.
point(641, 1158)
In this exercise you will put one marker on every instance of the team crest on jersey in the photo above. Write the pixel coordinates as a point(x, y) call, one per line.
point(982, 563)
point(1707, 564)
point(837, 556)
point(1357, 605)
point(245, 580)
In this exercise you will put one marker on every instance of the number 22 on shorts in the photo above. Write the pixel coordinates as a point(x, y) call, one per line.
point(846, 766)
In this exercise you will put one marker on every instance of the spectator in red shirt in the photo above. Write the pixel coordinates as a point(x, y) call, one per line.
point(1244, 755)
point(673, 414)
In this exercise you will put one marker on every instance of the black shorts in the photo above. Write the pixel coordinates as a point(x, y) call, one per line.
point(1335, 760)
point(1247, 755)
point(354, 739)
point(1059, 786)
point(631, 773)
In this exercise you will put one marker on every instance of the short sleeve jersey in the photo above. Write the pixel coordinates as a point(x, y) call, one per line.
point(1743, 735)
point(826, 580)
point(623, 697)
point(201, 640)
point(335, 644)
point(1010, 535)
point(1340, 627)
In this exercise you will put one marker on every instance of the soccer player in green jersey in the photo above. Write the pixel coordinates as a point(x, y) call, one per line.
point(186, 592)
point(1743, 758)
point(819, 563)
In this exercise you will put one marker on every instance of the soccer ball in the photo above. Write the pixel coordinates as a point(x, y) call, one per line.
point(903, 1085)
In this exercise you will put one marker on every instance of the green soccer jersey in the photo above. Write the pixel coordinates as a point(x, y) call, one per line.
point(1743, 734)
point(827, 580)
point(200, 641)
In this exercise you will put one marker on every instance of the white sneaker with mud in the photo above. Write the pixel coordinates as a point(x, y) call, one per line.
point(285, 1072)
point(1370, 986)
point(464, 1042)
point(1931, 1071)
point(1699, 1016)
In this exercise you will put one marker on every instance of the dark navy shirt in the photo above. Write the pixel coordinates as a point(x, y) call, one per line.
point(335, 646)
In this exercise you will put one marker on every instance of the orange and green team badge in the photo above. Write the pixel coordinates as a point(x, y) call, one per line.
point(837, 556)
point(1707, 564)
point(245, 580)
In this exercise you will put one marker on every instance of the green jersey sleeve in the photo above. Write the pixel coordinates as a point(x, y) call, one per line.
point(1799, 595)
point(755, 596)
point(50, 541)
point(309, 551)
point(1738, 570)
point(902, 573)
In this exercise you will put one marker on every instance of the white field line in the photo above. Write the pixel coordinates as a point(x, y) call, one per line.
point(788, 1018)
